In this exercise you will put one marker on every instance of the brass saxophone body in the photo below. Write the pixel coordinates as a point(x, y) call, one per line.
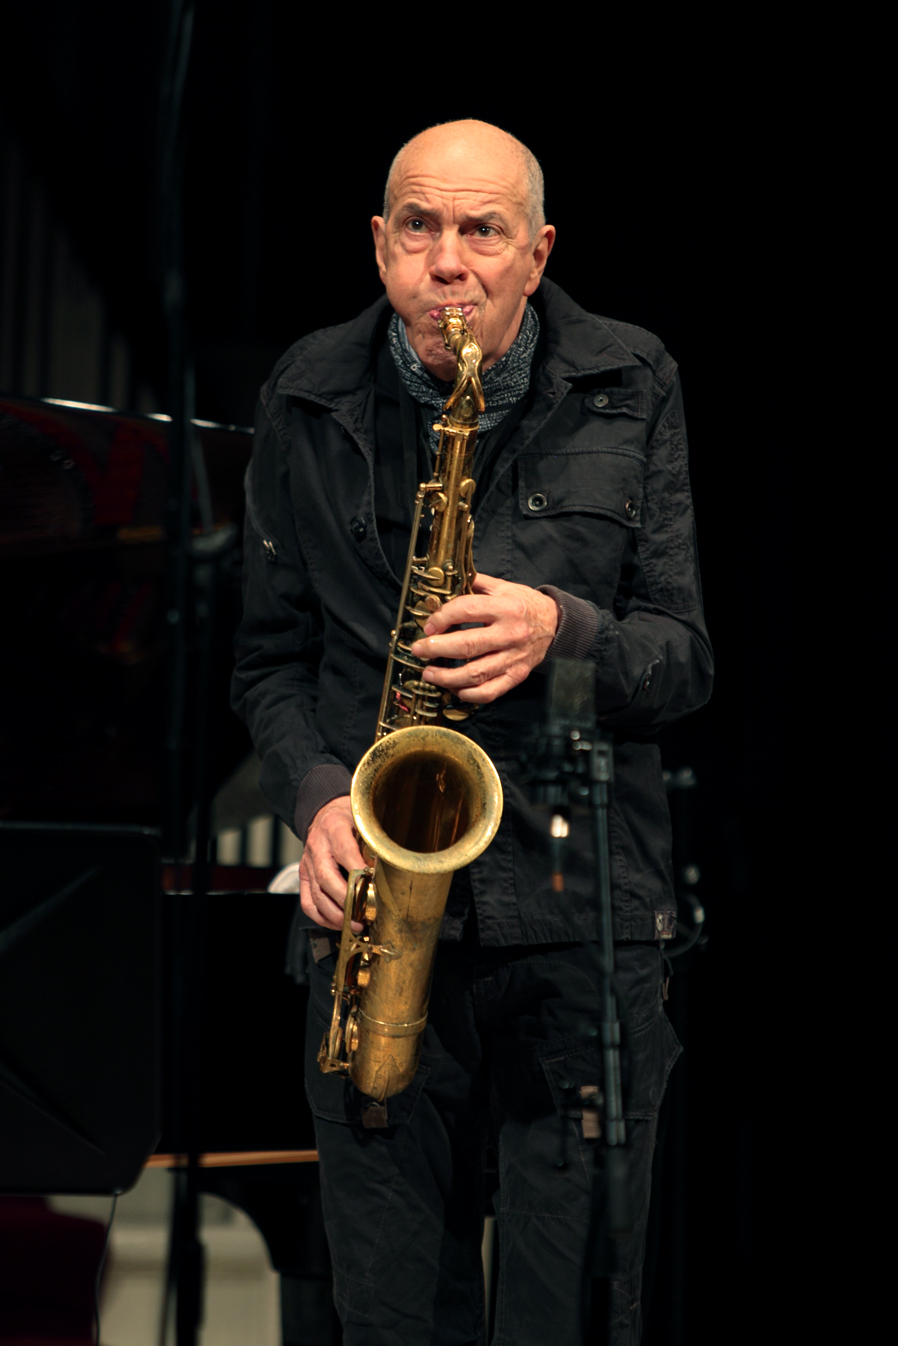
point(426, 800)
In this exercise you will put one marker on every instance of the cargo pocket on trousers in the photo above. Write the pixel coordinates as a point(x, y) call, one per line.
point(332, 1097)
point(652, 1051)
point(577, 1082)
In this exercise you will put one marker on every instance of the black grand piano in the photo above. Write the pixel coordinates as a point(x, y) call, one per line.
point(94, 969)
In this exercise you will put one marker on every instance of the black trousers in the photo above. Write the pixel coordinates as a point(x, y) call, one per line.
point(511, 1040)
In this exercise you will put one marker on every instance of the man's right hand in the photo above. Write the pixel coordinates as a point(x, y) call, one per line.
point(331, 843)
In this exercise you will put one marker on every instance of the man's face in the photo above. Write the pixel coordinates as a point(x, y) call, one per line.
point(458, 234)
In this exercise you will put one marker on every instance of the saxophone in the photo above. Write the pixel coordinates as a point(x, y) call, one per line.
point(425, 799)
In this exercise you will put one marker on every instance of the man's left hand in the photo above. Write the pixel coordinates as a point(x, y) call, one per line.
point(517, 625)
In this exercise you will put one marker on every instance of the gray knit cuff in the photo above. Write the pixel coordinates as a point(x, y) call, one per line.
point(578, 622)
point(324, 782)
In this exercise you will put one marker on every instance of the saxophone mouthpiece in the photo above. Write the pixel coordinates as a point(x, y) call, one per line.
point(452, 324)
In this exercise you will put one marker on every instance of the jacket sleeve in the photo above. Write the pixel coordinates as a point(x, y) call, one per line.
point(279, 644)
point(652, 652)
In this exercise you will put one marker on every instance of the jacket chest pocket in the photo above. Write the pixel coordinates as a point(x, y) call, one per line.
point(606, 483)
point(571, 519)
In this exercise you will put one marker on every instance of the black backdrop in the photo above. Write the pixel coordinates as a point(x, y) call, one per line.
point(674, 177)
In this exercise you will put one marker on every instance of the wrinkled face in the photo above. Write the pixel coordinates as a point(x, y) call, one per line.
point(458, 234)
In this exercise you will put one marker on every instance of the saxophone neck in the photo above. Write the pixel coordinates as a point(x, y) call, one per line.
point(466, 402)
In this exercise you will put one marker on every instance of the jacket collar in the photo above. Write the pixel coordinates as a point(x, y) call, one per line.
point(577, 343)
point(336, 364)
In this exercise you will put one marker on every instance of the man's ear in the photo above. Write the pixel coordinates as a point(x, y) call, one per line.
point(379, 230)
point(542, 246)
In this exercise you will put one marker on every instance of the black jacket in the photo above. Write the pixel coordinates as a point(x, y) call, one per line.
point(589, 496)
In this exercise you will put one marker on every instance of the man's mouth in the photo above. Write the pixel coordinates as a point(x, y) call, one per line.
point(467, 310)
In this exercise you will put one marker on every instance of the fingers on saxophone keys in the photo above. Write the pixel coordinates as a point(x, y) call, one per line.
point(455, 645)
point(488, 691)
point(328, 885)
point(328, 911)
point(467, 608)
point(316, 904)
point(469, 677)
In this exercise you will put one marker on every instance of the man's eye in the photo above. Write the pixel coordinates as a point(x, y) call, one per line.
point(485, 231)
point(417, 226)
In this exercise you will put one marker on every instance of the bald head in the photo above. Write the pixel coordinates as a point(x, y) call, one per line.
point(470, 140)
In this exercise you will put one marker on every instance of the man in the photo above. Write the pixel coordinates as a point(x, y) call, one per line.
point(585, 546)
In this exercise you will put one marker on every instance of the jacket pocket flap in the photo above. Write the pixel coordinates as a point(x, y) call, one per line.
point(617, 402)
point(605, 482)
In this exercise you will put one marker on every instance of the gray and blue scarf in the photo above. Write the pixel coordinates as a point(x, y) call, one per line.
point(504, 383)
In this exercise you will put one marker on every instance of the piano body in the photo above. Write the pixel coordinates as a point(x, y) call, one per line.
point(83, 711)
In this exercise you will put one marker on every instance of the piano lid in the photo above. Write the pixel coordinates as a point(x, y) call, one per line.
point(79, 476)
point(84, 682)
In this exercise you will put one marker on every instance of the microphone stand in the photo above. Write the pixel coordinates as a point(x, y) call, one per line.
point(570, 763)
point(611, 1215)
point(193, 571)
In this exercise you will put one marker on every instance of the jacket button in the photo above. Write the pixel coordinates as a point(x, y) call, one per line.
point(358, 528)
point(630, 509)
point(537, 502)
point(600, 400)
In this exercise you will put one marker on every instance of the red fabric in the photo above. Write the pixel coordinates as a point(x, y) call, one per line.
point(222, 878)
point(115, 483)
point(48, 1267)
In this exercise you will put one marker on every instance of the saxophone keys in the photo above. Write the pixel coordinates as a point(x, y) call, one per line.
point(454, 714)
point(425, 607)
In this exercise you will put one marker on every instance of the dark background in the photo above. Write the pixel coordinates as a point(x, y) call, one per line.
point(676, 180)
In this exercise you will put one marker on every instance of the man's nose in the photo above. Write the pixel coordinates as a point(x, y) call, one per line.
point(447, 262)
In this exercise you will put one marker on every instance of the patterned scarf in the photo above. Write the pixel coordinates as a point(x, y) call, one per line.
point(504, 383)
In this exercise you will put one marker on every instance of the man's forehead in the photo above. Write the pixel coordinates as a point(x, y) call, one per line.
point(474, 187)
